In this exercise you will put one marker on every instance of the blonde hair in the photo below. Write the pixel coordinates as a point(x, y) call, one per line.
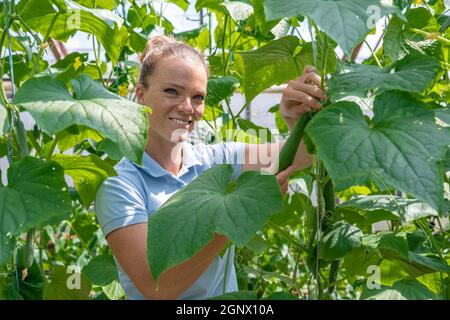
point(161, 46)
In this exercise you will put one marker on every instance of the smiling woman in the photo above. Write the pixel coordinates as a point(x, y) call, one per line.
point(173, 84)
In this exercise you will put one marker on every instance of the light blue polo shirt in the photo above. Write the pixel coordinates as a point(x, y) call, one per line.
point(139, 190)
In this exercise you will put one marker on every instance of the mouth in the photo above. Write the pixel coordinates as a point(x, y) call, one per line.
point(181, 121)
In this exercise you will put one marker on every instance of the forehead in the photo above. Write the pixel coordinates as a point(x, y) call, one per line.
point(185, 72)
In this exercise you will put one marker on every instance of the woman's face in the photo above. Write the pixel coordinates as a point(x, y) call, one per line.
point(175, 92)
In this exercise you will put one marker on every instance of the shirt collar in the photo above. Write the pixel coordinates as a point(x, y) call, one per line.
point(152, 167)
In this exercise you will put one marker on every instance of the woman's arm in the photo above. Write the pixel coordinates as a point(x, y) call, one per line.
point(301, 95)
point(129, 245)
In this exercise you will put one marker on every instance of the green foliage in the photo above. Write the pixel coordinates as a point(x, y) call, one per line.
point(340, 240)
point(275, 63)
point(87, 172)
point(345, 21)
point(236, 209)
point(36, 195)
point(67, 284)
point(122, 121)
point(402, 290)
point(384, 148)
point(411, 74)
point(101, 270)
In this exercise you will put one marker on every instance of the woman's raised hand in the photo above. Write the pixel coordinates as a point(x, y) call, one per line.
point(301, 95)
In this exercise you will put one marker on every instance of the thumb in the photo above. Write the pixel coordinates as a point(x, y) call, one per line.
point(283, 179)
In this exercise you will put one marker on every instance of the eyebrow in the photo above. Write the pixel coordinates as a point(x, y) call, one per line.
point(174, 85)
point(181, 87)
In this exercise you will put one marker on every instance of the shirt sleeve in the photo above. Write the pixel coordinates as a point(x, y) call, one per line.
point(118, 204)
point(227, 153)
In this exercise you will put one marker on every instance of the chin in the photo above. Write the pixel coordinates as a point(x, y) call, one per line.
point(179, 135)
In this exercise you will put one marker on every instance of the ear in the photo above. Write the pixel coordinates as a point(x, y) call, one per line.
point(140, 93)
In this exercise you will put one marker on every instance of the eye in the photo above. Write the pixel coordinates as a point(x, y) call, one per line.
point(171, 91)
point(199, 97)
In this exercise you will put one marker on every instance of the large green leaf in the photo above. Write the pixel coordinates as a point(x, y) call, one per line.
point(399, 40)
point(54, 109)
point(213, 202)
point(67, 284)
point(28, 9)
point(87, 172)
point(400, 146)
point(102, 23)
point(390, 244)
point(345, 21)
point(434, 263)
point(407, 289)
point(406, 210)
point(276, 63)
point(418, 264)
point(37, 193)
point(340, 240)
point(414, 73)
point(101, 270)
point(74, 135)
point(110, 148)
point(220, 88)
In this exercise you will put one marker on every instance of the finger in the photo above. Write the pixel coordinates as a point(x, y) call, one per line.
point(308, 68)
point(302, 97)
point(296, 112)
point(311, 77)
point(284, 188)
point(283, 181)
point(312, 90)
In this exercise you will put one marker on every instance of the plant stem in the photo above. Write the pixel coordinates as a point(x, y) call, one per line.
point(224, 30)
point(373, 54)
point(97, 58)
point(52, 148)
point(41, 50)
point(431, 35)
point(319, 216)
point(334, 268)
point(243, 108)
point(231, 49)
point(36, 38)
point(24, 152)
point(226, 269)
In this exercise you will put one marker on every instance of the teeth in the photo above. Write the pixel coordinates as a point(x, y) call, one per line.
point(179, 121)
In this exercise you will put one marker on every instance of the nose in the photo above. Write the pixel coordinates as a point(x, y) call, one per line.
point(186, 106)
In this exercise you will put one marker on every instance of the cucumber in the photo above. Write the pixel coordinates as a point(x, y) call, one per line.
point(289, 149)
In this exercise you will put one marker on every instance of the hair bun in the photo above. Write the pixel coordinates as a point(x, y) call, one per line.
point(155, 44)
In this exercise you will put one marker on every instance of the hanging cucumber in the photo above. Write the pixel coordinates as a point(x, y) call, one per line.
point(289, 149)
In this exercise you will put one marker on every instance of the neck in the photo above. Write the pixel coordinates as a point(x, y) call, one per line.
point(169, 155)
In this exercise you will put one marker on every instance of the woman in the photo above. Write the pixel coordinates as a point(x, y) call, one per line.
point(173, 83)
